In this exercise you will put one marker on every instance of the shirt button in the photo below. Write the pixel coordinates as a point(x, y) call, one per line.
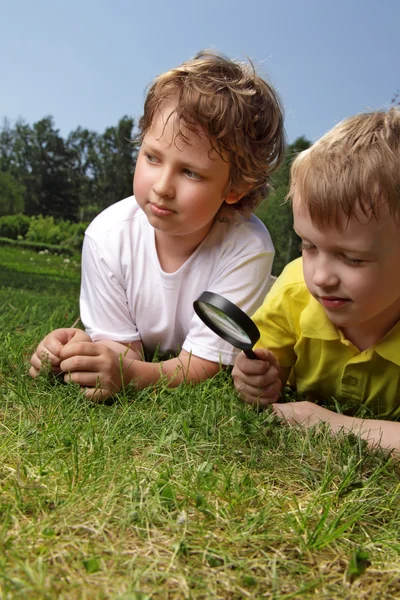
point(350, 380)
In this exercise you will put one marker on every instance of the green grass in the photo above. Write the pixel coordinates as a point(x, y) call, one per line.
point(169, 494)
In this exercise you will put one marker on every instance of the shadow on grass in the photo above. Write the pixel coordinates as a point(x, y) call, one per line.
point(37, 282)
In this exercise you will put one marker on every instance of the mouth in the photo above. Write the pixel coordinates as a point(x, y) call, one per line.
point(333, 301)
point(160, 211)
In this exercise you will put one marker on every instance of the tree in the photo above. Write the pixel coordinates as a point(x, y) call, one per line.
point(39, 159)
point(11, 195)
point(396, 98)
point(277, 214)
point(118, 158)
point(74, 178)
point(86, 164)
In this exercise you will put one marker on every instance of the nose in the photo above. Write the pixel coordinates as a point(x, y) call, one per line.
point(163, 184)
point(324, 273)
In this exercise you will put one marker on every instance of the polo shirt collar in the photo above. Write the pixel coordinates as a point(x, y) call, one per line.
point(315, 324)
point(389, 347)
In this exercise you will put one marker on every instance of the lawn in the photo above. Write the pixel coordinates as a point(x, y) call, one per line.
point(173, 494)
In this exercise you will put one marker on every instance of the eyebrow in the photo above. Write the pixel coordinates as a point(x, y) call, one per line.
point(152, 146)
point(340, 248)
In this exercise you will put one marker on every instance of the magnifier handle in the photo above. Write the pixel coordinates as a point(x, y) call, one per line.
point(251, 354)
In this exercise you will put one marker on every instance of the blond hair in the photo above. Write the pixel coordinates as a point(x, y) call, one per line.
point(355, 166)
point(238, 110)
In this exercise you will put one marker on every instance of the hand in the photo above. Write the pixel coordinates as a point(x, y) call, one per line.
point(257, 381)
point(305, 413)
point(94, 366)
point(49, 349)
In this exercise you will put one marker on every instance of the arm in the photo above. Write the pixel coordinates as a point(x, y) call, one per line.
point(259, 382)
point(105, 367)
point(385, 434)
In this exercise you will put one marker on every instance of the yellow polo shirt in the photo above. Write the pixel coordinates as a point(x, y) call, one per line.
point(324, 364)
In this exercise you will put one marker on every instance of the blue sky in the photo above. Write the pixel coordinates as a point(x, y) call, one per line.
point(88, 62)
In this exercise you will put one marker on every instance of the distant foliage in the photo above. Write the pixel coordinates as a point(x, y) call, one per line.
point(42, 230)
point(14, 226)
point(61, 183)
point(46, 230)
point(396, 98)
point(277, 214)
point(11, 194)
point(72, 178)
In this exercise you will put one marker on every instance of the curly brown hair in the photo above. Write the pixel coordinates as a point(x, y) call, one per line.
point(239, 111)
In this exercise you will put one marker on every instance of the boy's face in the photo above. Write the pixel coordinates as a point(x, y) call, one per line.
point(353, 271)
point(179, 185)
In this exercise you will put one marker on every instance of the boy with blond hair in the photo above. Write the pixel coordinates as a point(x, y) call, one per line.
point(211, 135)
point(330, 325)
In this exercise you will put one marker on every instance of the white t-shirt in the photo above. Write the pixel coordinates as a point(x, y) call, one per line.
point(126, 296)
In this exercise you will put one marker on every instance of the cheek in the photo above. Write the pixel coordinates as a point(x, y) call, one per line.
point(307, 271)
point(140, 180)
point(360, 285)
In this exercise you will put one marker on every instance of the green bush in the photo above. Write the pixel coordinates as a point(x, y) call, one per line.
point(14, 226)
point(53, 248)
point(46, 230)
point(43, 230)
point(76, 235)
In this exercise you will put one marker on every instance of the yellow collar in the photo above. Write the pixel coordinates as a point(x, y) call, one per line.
point(315, 324)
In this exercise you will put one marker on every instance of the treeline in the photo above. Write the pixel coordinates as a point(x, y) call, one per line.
point(72, 178)
point(277, 214)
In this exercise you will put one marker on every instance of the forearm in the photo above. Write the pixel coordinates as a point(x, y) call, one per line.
point(385, 434)
point(174, 371)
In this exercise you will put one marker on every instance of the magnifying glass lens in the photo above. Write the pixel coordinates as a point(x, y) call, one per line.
point(228, 321)
point(225, 323)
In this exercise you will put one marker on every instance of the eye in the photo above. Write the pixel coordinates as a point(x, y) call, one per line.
point(191, 174)
point(151, 158)
point(352, 262)
point(304, 247)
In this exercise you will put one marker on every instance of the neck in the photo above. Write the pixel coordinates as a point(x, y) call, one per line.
point(372, 332)
point(174, 250)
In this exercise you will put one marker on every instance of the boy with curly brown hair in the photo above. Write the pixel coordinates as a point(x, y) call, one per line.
point(211, 135)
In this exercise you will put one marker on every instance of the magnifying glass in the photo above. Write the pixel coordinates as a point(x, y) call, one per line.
point(228, 321)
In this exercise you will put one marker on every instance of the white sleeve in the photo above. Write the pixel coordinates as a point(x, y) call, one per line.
point(103, 303)
point(245, 282)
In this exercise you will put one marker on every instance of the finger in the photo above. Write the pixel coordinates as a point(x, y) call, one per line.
point(283, 411)
point(45, 355)
point(251, 365)
point(262, 397)
point(33, 372)
point(35, 362)
point(268, 392)
point(258, 382)
point(55, 341)
point(44, 364)
point(81, 348)
point(87, 379)
point(249, 369)
point(98, 394)
point(51, 347)
point(88, 366)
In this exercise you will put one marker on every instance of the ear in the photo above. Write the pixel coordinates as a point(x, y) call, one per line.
point(233, 197)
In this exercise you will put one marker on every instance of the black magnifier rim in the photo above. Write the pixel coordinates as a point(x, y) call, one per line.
point(233, 312)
